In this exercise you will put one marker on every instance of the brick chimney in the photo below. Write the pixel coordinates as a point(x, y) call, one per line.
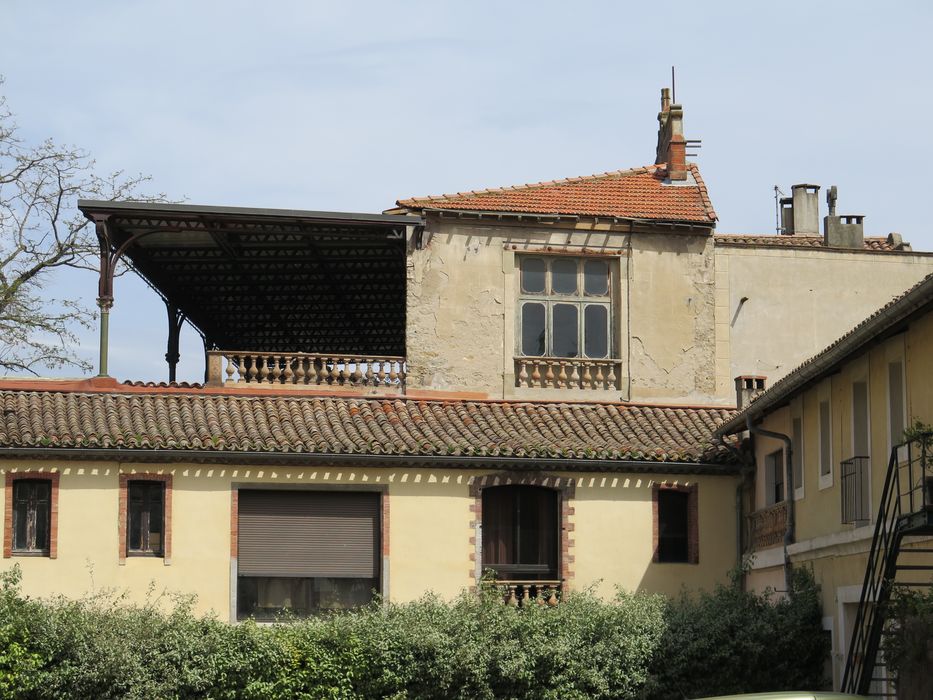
point(672, 146)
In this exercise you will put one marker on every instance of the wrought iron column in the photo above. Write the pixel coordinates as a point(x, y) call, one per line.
point(175, 320)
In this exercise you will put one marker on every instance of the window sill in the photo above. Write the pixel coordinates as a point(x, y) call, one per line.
point(31, 553)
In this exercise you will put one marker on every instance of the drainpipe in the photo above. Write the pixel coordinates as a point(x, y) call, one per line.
point(748, 467)
point(789, 491)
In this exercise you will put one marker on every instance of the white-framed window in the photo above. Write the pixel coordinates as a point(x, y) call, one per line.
point(565, 307)
point(825, 429)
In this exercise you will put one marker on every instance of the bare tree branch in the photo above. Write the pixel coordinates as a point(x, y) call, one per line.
point(40, 231)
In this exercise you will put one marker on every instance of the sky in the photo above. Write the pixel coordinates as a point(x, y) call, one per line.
point(351, 106)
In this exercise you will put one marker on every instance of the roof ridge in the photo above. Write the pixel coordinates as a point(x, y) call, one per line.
point(640, 170)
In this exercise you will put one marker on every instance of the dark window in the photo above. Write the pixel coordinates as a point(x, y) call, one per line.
point(774, 477)
point(31, 516)
point(673, 526)
point(520, 532)
point(145, 512)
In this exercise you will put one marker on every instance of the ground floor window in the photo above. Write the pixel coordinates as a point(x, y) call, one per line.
point(306, 551)
point(146, 518)
point(32, 516)
point(675, 524)
point(265, 597)
point(521, 532)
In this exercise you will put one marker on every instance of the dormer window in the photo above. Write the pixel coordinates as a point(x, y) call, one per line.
point(565, 319)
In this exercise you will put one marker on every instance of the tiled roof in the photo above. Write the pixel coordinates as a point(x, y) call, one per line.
point(640, 193)
point(918, 298)
point(875, 244)
point(222, 423)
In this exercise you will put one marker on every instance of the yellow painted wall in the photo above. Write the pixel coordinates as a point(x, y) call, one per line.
point(614, 533)
point(429, 531)
point(795, 304)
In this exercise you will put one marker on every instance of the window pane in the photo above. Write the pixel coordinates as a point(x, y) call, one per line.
point(596, 330)
point(896, 401)
point(798, 452)
point(673, 526)
point(533, 275)
point(860, 418)
point(825, 437)
point(265, 597)
point(564, 276)
point(533, 329)
point(596, 277)
point(564, 329)
point(20, 509)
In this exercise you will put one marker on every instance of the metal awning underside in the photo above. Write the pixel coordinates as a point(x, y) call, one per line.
point(270, 280)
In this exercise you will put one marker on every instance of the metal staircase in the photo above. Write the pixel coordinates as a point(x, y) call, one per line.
point(906, 509)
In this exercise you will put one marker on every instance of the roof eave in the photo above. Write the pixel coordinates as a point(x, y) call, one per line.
point(370, 459)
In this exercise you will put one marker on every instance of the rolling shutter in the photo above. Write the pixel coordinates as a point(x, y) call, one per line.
point(308, 533)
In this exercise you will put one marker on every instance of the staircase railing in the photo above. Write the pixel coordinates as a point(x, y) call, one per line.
point(882, 559)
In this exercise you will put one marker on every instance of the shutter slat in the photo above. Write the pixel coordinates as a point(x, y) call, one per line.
point(308, 533)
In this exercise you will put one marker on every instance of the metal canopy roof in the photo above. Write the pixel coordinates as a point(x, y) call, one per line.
point(270, 280)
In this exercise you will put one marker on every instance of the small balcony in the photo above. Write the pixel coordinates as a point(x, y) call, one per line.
point(303, 370)
point(521, 593)
point(766, 527)
point(854, 480)
point(568, 373)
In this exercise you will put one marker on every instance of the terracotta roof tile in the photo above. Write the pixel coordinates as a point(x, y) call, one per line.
point(359, 426)
point(639, 193)
point(874, 244)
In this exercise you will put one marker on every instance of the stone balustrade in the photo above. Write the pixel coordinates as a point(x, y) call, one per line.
point(226, 367)
point(766, 527)
point(520, 593)
point(567, 373)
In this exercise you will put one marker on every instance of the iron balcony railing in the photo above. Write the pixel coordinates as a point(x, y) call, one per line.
point(856, 475)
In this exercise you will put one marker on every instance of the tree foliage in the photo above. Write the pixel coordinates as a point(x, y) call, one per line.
point(41, 231)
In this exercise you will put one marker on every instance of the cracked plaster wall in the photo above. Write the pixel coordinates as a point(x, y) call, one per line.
point(673, 348)
point(461, 309)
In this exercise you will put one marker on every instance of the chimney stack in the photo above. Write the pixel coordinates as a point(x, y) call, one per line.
point(747, 387)
point(845, 230)
point(806, 203)
point(672, 146)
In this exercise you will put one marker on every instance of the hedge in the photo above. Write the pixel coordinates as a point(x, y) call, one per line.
point(634, 646)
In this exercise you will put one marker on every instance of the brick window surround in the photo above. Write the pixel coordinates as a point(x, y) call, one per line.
point(566, 490)
point(167, 517)
point(8, 510)
point(693, 530)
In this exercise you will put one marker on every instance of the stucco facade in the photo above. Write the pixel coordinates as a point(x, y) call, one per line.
point(898, 364)
point(429, 530)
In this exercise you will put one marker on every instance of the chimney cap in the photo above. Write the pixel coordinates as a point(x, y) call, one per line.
point(809, 186)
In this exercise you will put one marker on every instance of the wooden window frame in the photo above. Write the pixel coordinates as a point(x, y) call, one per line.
point(693, 525)
point(580, 300)
point(825, 395)
point(566, 491)
point(123, 516)
point(775, 466)
point(11, 478)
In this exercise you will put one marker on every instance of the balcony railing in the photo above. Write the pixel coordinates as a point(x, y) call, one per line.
point(766, 527)
point(855, 474)
point(567, 373)
point(305, 369)
point(521, 593)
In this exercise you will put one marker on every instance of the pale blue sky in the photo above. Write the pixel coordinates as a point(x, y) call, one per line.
point(350, 106)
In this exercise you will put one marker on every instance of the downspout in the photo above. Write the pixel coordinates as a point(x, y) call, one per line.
point(748, 467)
point(789, 491)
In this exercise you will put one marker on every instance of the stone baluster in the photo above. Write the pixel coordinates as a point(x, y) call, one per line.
point(562, 376)
point(536, 375)
point(575, 375)
point(611, 378)
point(381, 373)
point(230, 369)
point(587, 377)
point(522, 373)
point(252, 371)
point(300, 372)
point(402, 373)
point(263, 368)
point(312, 377)
point(600, 378)
point(549, 374)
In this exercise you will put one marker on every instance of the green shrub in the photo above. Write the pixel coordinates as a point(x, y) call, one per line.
point(734, 641)
point(473, 647)
point(908, 644)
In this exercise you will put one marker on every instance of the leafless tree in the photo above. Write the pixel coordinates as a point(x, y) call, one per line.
point(41, 231)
